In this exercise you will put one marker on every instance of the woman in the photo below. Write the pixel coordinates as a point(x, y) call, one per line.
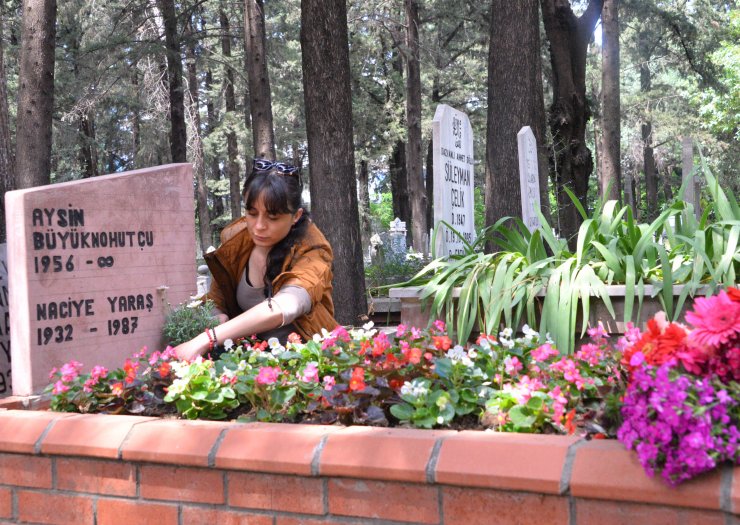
point(272, 273)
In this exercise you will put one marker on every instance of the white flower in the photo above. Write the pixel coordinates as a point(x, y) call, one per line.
point(485, 343)
point(273, 342)
point(506, 333)
point(368, 325)
point(548, 339)
point(508, 343)
point(316, 338)
point(194, 304)
point(456, 353)
point(228, 344)
point(242, 366)
point(414, 388)
point(529, 333)
point(440, 420)
point(472, 354)
point(177, 386)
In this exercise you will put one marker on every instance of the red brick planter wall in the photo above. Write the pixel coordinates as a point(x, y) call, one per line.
point(96, 469)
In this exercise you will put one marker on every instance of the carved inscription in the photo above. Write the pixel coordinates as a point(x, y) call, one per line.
point(56, 230)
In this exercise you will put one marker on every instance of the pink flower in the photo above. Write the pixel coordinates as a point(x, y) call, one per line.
point(59, 388)
point(380, 344)
point(544, 352)
point(512, 365)
point(415, 333)
point(98, 372)
point(267, 375)
point(52, 373)
point(70, 371)
point(597, 332)
point(169, 353)
point(329, 382)
point(716, 320)
point(310, 374)
point(341, 334)
point(439, 325)
point(400, 330)
point(154, 357)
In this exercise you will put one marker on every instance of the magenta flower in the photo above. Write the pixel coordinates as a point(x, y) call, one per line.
point(439, 325)
point(329, 382)
point(716, 320)
point(544, 352)
point(98, 372)
point(512, 365)
point(310, 374)
point(400, 330)
point(59, 388)
point(267, 375)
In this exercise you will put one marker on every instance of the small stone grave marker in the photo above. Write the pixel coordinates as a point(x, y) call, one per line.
point(452, 137)
point(94, 266)
point(397, 234)
point(529, 177)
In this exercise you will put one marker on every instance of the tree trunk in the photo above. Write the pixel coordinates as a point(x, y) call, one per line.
point(178, 131)
point(88, 154)
point(136, 117)
point(260, 105)
point(201, 191)
point(397, 160)
point(610, 175)
point(515, 100)
point(36, 94)
point(399, 182)
point(328, 101)
point(570, 111)
point(646, 130)
point(364, 203)
point(668, 182)
point(232, 149)
point(218, 201)
point(414, 168)
point(7, 160)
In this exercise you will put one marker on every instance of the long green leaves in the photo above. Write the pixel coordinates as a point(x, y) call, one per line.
point(534, 277)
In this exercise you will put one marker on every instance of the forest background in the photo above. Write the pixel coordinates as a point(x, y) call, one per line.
point(348, 89)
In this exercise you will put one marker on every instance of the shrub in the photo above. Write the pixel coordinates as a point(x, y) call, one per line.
point(187, 321)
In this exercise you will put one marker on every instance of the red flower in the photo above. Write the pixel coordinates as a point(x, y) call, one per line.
point(659, 344)
point(294, 338)
point(569, 426)
point(442, 342)
point(357, 381)
point(117, 388)
point(164, 369)
point(734, 294)
point(415, 356)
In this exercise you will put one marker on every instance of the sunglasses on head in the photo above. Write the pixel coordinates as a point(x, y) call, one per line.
point(263, 165)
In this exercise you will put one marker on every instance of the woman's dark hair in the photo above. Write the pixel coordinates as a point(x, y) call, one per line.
point(280, 194)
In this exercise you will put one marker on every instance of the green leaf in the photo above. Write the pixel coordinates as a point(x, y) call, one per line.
point(402, 411)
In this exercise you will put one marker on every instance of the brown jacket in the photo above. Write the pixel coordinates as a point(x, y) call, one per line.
point(308, 265)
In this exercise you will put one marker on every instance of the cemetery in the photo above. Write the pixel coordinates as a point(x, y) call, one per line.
point(421, 278)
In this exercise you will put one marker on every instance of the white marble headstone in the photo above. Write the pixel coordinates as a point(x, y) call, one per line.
point(529, 177)
point(452, 137)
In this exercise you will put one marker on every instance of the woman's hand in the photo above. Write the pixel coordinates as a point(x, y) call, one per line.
point(189, 350)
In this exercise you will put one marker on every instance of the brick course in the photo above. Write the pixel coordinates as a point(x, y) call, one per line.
point(267, 474)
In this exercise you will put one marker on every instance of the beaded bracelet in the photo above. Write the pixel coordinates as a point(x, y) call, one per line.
point(210, 339)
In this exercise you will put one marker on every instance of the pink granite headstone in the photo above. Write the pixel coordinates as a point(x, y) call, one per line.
point(93, 267)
